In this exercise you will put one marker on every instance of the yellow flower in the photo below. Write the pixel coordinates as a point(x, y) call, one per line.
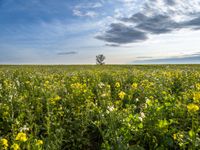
point(15, 147)
point(79, 88)
point(174, 136)
point(39, 142)
point(21, 137)
point(192, 107)
point(178, 136)
point(163, 123)
point(5, 114)
point(198, 86)
point(134, 85)
point(121, 95)
point(47, 82)
point(196, 97)
point(55, 99)
point(4, 142)
point(117, 84)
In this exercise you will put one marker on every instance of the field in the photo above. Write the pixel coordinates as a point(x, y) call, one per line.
point(100, 107)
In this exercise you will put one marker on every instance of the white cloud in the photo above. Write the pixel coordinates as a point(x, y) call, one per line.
point(84, 14)
point(86, 9)
point(88, 5)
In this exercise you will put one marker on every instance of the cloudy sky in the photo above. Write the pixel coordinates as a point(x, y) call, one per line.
point(75, 31)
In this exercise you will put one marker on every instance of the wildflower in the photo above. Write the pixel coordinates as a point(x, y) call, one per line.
point(101, 85)
point(28, 82)
point(117, 84)
point(192, 107)
point(134, 85)
point(15, 146)
point(163, 123)
point(198, 86)
point(24, 128)
point(121, 95)
point(196, 97)
point(46, 82)
point(4, 143)
point(39, 142)
point(111, 108)
point(175, 136)
point(78, 88)
point(103, 95)
point(21, 137)
point(55, 99)
point(140, 118)
point(178, 136)
point(142, 115)
point(5, 114)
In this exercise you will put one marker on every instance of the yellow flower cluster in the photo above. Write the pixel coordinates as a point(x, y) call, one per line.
point(192, 107)
point(196, 96)
point(39, 142)
point(117, 84)
point(198, 86)
point(163, 123)
point(134, 86)
point(178, 136)
point(121, 95)
point(4, 143)
point(78, 87)
point(54, 99)
point(15, 147)
point(21, 137)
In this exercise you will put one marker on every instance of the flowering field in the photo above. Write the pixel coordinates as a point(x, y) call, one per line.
point(100, 107)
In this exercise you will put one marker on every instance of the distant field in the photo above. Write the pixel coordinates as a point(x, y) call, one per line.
point(89, 107)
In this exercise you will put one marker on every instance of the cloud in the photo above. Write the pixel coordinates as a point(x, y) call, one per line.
point(170, 2)
point(144, 57)
point(193, 23)
point(67, 53)
point(86, 9)
point(155, 17)
point(89, 5)
point(84, 14)
point(112, 45)
point(156, 24)
point(120, 33)
point(184, 59)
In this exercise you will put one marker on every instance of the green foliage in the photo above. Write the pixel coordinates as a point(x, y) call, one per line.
point(100, 107)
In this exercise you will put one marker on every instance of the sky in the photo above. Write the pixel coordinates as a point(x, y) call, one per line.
point(75, 31)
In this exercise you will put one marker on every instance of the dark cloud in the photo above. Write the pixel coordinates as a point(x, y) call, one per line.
point(136, 18)
point(158, 24)
point(120, 33)
point(193, 23)
point(170, 2)
point(149, 21)
point(67, 53)
point(112, 45)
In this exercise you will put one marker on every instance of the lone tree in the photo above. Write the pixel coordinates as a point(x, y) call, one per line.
point(100, 59)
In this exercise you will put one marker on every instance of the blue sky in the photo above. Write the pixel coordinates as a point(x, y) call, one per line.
point(75, 31)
